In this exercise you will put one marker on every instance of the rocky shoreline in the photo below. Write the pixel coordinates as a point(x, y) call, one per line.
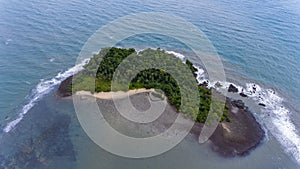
point(239, 136)
point(235, 138)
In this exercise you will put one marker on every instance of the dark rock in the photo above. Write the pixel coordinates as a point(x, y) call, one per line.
point(204, 84)
point(254, 88)
point(218, 84)
point(232, 88)
point(261, 104)
point(239, 136)
point(238, 103)
point(243, 95)
point(65, 88)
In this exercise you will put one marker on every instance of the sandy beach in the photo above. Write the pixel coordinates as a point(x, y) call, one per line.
point(115, 95)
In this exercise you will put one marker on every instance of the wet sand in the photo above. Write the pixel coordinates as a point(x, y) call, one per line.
point(235, 138)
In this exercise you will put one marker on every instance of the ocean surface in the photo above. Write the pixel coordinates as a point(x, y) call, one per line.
point(258, 41)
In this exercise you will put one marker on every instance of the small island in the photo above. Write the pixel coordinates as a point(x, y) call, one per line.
point(238, 131)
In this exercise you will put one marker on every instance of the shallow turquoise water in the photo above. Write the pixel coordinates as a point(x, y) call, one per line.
point(258, 41)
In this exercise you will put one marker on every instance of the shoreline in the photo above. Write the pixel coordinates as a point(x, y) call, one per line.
point(238, 135)
point(236, 138)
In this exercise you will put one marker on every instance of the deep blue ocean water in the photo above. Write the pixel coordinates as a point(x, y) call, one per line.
point(259, 42)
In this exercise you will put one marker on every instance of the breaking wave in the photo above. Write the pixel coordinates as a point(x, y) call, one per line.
point(44, 87)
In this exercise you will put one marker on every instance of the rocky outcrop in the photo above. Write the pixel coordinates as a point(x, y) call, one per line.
point(243, 95)
point(238, 103)
point(65, 88)
point(239, 136)
point(204, 84)
point(232, 88)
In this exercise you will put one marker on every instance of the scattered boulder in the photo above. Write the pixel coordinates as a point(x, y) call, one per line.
point(254, 88)
point(238, 103)
point(261, 104)
point(232, 88)
point(243, 95)
point(204, 84)
point(218, 84)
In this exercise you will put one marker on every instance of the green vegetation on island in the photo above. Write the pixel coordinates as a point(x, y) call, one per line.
point(104, 64)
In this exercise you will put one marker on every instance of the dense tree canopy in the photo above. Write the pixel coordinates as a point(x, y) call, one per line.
point(103, 66)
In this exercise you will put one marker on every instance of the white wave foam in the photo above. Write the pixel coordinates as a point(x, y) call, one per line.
point(45, 87)
point(281, 125)
point(277, 117)
point(41, 89)
point(8, 41)
point(200, 75)
point(178, 55)
point(52, 59)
